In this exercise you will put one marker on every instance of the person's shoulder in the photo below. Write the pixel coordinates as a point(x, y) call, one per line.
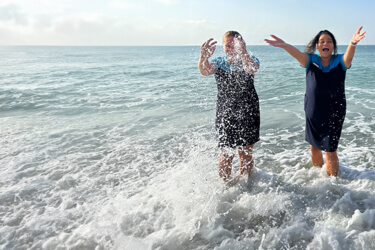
point(338, 59)
point(218, 60)
point(255, 59)
point(313, 59)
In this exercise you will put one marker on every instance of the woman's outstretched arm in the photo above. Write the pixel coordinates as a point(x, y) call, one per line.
point(349, 54)
point(301, 57)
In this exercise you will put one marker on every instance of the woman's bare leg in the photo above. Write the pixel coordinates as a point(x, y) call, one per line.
point(225, 165)
point(316, 156)
point(246, 159)
point(332, 164)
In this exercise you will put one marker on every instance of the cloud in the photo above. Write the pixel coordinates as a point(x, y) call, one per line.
point(13, 13)
point(52, 28)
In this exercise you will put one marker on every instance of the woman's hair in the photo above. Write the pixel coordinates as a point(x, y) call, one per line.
point(311, 47)
point(231, 33)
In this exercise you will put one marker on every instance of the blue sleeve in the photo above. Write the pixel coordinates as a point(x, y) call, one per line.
point(216, 62)
point(309, 62)
point(341, 56)
point(255, 60)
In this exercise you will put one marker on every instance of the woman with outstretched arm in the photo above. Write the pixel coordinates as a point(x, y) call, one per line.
point(325, 103)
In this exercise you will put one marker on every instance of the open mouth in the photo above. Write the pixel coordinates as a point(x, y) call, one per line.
point(325, 50)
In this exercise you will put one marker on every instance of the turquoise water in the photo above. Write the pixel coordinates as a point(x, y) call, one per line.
point(115, 148)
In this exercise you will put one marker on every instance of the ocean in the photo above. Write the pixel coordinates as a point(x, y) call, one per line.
point(115, 148)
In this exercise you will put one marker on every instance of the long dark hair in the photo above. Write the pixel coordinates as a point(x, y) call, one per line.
point(311, 47)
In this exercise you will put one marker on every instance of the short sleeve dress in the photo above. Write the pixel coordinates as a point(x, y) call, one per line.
point(325, 103)
point(237, 109)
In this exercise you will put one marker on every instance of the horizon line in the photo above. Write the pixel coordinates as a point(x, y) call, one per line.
point(56, 45)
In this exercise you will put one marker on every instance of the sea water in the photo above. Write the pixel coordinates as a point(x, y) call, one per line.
point(115, 148)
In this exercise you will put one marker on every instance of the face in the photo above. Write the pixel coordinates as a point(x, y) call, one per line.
point(325, 45)
point(228, 45)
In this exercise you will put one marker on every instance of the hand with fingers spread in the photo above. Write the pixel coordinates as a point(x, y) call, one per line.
point(276, 43)
point(240, 45)
point(358, 36)
point(349, 54)
point(249, 64)
point(208, 48)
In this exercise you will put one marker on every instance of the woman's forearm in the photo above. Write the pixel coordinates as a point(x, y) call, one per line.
point(204, 66)
point(349, 55)
point(249, 65)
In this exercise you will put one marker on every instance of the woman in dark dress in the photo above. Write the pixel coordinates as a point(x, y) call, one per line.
point(325, 104)
point(237, 109)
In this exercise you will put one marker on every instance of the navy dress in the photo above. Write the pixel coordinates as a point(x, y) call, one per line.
point(237, 109)
point(325, 103)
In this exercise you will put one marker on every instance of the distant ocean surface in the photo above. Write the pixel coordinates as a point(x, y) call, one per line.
point(115, 148)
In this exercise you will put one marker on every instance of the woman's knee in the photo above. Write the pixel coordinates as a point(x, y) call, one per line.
point(245, 150)
point(314, 149)
point(331, 156)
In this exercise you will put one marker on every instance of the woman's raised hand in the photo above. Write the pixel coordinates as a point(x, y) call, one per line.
point(240, 45)
point(358, 36)
point(276, 43)
point(301, 57)
point(208, 48)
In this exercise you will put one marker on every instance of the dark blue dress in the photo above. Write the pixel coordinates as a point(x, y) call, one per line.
point(237, 109)
point(325, 103)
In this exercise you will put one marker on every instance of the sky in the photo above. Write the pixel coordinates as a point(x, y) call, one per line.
point(179, 22)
